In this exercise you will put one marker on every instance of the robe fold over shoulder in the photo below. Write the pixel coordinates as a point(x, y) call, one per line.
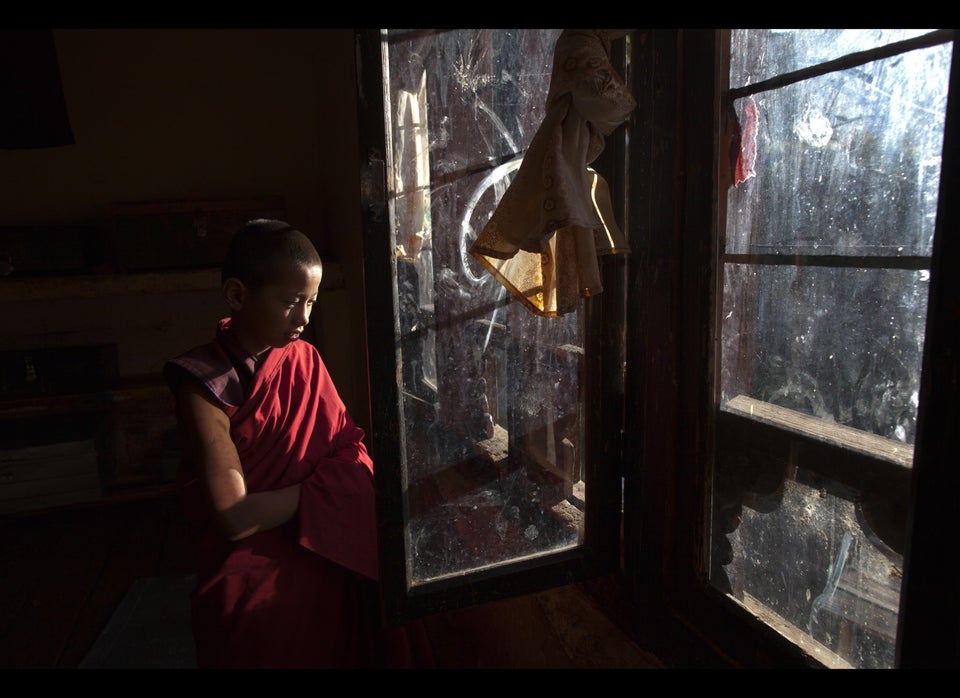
point(307, 588)
point(293, 427)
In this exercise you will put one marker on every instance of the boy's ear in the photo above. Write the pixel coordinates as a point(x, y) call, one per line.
point(234, 292)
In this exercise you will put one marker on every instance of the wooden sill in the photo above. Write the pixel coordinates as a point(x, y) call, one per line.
point(801, 639)
point(835, 434)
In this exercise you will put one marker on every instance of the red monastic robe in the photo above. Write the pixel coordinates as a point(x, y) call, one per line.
point(303, 594)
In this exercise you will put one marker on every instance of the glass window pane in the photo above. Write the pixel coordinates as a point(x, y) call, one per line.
point(847, 163)
point(759, 54)
point(492, 394)
point(836, 590)
point(842, 345)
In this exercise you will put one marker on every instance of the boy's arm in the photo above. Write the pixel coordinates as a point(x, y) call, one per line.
point(236, 512)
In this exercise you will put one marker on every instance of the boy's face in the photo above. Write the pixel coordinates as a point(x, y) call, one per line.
point(277, 313)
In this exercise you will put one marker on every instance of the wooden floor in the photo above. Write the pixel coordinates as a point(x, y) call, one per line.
point(65, 574)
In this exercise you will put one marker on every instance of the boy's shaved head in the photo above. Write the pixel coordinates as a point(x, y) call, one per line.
point(263, 248)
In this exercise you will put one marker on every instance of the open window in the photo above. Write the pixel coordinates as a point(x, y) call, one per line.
point(495, 467)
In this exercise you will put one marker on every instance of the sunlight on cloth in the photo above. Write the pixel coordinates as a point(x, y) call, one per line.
point(543, 240)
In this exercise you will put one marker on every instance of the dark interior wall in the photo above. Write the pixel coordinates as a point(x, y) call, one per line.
point(211, 114)
point(198, 114)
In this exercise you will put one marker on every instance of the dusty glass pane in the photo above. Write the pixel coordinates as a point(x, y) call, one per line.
point(842, 345)
point(492, 394)
point(836, 590)
point(758, 54)
point(847, 163)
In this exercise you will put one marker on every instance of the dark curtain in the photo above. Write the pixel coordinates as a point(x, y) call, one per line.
point(34, 113)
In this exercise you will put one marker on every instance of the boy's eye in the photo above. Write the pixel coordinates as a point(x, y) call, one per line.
point(295, 302)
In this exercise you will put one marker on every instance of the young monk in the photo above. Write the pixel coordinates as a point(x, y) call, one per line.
point(276, 480)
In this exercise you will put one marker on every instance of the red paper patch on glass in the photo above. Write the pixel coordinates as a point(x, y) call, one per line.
point(748, 142)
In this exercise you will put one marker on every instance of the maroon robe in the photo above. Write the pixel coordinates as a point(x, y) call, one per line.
point(303, 594)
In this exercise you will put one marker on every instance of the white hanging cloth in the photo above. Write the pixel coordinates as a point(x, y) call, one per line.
point(543, 240)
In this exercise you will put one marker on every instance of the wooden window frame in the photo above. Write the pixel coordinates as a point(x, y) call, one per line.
point(599, 551)
point(671, 399)
point(658, 355)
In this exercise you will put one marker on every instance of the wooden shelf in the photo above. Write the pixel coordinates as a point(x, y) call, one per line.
point(129, 423)
point(100, 400)
point(40, 288)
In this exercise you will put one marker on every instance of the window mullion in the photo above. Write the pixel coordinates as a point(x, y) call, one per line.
point(912, 262)
point(852, 60)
